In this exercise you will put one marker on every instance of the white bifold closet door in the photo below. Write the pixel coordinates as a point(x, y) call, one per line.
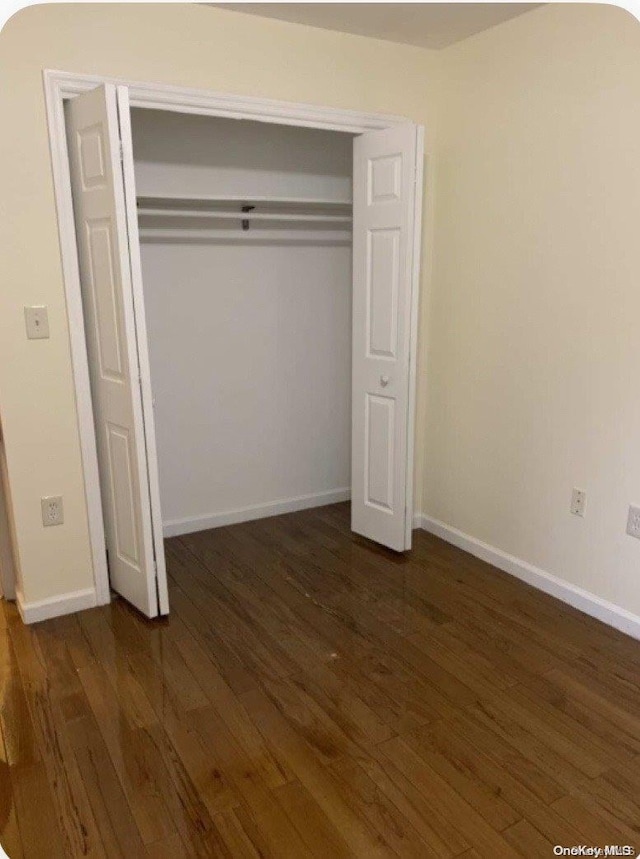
point(109, 267)
point(384, 195)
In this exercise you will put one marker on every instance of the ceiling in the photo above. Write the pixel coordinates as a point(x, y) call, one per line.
point(429, 25)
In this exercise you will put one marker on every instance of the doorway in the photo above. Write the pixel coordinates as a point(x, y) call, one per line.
point(7, 557)
point(386, 209)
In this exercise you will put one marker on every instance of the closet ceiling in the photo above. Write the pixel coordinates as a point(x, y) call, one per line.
point(429, 25)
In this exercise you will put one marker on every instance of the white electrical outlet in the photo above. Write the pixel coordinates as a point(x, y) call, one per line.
point(578, 502)
point(37, 322)
point(52, 510)
point(633, 522)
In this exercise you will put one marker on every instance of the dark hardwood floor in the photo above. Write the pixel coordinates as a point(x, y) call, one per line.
point(314, 695)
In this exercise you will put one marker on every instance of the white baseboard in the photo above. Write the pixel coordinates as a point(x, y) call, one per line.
point(32, 612)
point(175, 527)
point(575, 596)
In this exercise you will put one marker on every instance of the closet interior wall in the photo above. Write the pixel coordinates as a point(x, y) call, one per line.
point(249, 329)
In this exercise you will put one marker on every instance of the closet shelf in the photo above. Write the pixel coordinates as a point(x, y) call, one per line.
point(246, 210)
point(202, 202)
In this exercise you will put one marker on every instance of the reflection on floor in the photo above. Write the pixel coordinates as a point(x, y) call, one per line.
point(314, 695)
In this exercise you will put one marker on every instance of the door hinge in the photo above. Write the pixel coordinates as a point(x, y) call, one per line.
point(121, 151)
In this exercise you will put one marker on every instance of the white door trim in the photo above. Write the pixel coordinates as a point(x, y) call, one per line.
point(208, 103)
point(58, 86)
point(416, 247)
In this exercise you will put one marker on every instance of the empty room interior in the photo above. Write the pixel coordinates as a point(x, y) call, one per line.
point(319, 461)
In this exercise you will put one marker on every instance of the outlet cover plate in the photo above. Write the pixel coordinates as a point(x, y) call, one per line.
point(633, 522)
point(578, 502)
point(52, 510)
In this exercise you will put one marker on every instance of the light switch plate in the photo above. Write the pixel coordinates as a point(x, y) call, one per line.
point(37, 322)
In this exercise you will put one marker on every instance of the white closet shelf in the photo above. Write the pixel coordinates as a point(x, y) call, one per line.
point(157, 201)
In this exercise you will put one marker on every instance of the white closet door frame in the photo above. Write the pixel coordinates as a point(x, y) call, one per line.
point(59, 86)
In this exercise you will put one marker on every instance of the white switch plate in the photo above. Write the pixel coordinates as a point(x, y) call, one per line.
point(37, 322)
point(633, 522)
point(578, 502)
point(52, 510)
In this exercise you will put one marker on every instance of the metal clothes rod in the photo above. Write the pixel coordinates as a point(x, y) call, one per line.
point(240, 236)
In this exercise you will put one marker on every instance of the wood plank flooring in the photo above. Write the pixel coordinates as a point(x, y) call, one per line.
point(313, 695)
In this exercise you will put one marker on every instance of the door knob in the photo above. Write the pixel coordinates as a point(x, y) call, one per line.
point(384, 381)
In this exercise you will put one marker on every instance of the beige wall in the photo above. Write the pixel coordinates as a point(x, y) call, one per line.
point(534, 319)
point(186, 45)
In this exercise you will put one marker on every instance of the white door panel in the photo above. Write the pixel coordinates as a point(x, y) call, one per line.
point(384, 170)
point(124, 112)
point(105, 276)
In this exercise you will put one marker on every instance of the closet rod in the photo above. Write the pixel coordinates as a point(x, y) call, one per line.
point(251, 216)
point(239, 236)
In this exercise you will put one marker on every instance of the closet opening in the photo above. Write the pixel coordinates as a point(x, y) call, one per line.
point(246, 256)
point(247, 292)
